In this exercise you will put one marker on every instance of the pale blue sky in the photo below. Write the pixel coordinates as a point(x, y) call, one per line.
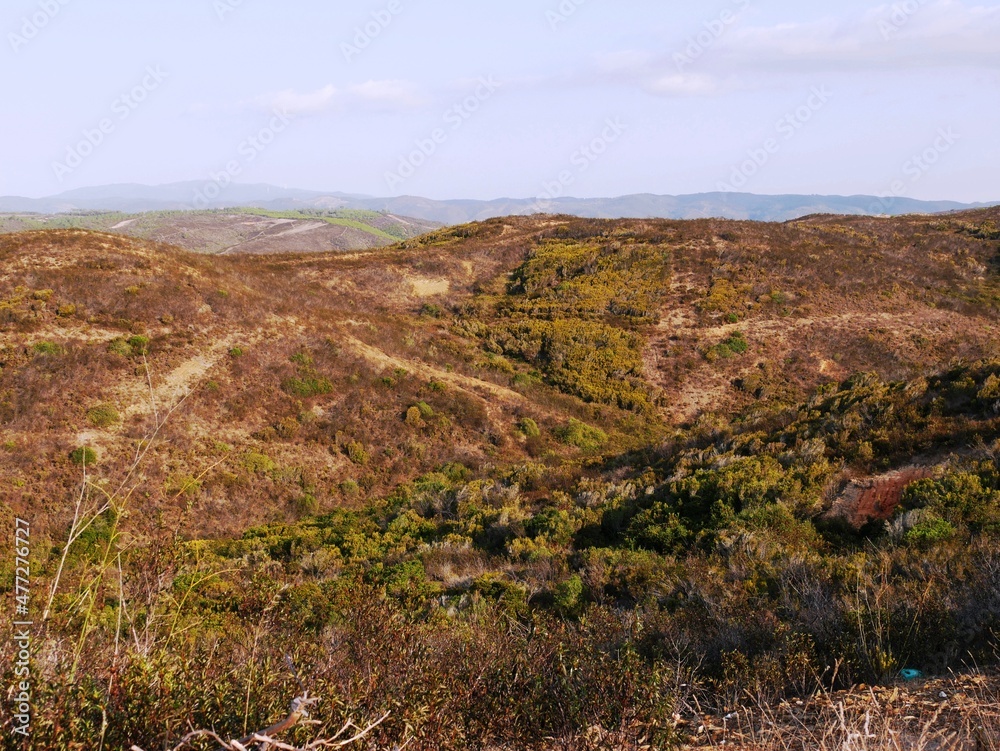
point(892, 79)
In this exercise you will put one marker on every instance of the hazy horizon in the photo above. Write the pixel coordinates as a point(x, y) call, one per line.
point(388, 98)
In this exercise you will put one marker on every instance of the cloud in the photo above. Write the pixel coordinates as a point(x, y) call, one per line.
point(682, 84)
point(308, 103)
point(916, 34)
point(392, 95)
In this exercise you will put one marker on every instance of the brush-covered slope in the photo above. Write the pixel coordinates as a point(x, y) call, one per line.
point(634, 327)
point(528, 483)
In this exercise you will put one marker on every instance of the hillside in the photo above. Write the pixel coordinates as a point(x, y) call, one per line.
point(255, 231)
point(526, 483)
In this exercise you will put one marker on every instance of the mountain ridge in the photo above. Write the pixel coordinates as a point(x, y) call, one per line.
point(192, 195)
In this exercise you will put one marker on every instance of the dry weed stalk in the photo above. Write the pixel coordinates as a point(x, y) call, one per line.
point(265, 741)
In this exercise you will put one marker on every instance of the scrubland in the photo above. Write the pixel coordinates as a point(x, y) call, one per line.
point(529, 483)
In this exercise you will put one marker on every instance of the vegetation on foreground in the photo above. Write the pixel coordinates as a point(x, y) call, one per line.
point(530, 483)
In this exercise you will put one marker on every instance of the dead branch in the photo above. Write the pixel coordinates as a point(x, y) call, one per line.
point(298, 714)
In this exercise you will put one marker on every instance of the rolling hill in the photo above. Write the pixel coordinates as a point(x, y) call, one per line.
point(182, 196)
point(531, 482)
point(240, 230)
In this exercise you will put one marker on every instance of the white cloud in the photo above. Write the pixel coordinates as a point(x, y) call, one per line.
point(306, 103)
point(379, 95)
point(683, 84)
point(395, 93)
point(932, 33)
point(916, 34)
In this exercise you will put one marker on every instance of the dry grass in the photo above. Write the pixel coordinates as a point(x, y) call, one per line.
point(958, 713)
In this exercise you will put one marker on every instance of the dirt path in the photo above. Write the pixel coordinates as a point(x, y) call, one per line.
point(777, 325)
point(465, 383)
point(169, 390)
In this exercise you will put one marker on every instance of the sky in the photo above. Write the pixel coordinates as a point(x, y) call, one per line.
point(512, 98)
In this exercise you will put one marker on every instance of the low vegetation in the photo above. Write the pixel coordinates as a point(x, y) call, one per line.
point(609, 490)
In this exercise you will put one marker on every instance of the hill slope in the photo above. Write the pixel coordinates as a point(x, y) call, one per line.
point(242, 230)
point(528, 483)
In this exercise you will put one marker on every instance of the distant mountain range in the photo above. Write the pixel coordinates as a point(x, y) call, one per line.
point(200, 195)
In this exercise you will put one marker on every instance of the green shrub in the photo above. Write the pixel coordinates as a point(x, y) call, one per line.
point(103, 415)
point(350, 488)
point(930, 531)
point(183, 484)
point(236, 352)
point(356, 453)
point(567, 594)
point(582, 436)
point(736, 344)
point(257, 462)
point(84, 456)
point(528, 428)
point(307, 505)
point(961, 498)
point(120, 347)
point(413, 417)
point(307, 387)
point(139, 344)
point(47, 348)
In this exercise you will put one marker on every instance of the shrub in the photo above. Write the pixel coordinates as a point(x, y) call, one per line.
point(350, 488)
point(929, 531)
point(103, 415)
point(307, 387)
point(736, 344)
point(85, 456)
point(236, 352)
point(257, 462)
point(566, 597)
point(528, 428)
point(307, 505)
point(356, 453)
point(67, 310)
point(120, 347)
point(583, 436)
point(414, 418)
point(961, 498)
point(47, 348)
point(139, 344)
point(183, 484)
